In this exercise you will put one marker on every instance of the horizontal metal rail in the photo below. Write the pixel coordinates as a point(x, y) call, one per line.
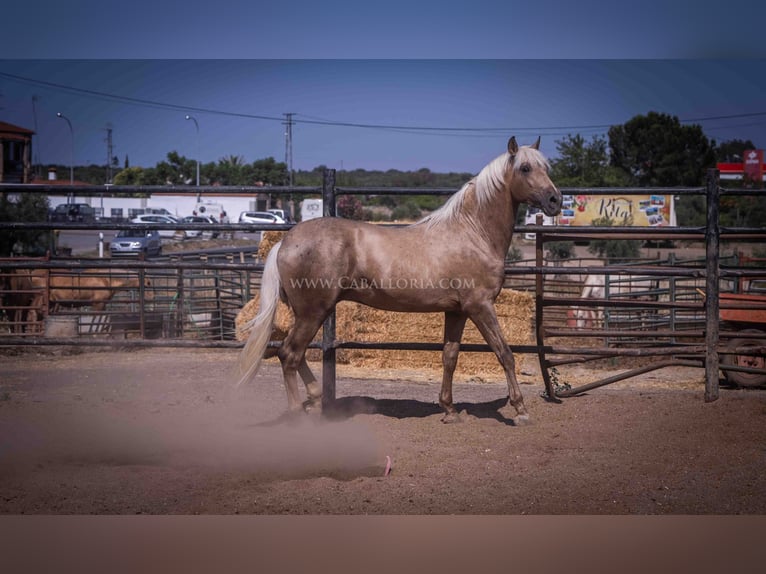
point(558, 297)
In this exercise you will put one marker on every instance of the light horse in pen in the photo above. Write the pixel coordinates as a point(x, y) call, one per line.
point(451, 261)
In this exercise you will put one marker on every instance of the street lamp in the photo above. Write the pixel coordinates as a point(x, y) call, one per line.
point(192, 118)
point(71, 156)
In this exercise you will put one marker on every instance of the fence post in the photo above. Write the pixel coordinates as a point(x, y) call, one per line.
point(712, 237)
point(328, 328)
point(550, 392)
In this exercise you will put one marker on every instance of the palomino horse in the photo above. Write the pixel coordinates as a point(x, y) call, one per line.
point(451, 261)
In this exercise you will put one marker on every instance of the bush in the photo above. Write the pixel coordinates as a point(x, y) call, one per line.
point(514, 254)
point(349, 207)
point(614, 250)
point(406, 211)
point(560, 250)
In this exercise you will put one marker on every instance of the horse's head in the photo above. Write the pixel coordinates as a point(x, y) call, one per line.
point(528, 178)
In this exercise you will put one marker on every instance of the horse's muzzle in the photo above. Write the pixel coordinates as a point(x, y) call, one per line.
point(551, 201)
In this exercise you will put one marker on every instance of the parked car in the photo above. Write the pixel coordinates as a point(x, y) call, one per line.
point(133, 242)
point(198, 233)
point(259, 217)
point(283, 213)
point(157, 218)
point(78, 212)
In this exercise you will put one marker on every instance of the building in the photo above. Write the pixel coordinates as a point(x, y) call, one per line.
point(15, 154)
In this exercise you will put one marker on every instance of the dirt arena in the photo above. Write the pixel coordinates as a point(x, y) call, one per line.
point(164, 431)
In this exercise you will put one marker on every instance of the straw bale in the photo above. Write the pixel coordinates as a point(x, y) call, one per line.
point(268, 240)
point(356, 322)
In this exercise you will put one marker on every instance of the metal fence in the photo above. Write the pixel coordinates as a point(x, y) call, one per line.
point(668, 309)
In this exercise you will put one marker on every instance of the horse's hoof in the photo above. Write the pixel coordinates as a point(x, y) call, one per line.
point(522, 420)
point(312, 407)
point(450, 418)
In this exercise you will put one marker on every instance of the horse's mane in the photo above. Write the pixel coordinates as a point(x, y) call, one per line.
point(489, 181)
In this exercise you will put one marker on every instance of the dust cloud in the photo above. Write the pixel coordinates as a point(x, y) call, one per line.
point(217, 438)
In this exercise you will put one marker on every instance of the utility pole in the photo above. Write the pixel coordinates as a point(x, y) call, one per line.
point(36, 160)
point(289, 146)
point(109, 153)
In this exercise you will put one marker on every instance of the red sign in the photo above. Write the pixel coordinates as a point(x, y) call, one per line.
point(752, 165)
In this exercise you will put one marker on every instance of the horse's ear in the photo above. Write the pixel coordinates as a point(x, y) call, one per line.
point(536, 145)
point(513, 147)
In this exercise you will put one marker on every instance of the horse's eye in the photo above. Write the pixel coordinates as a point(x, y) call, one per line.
point(525, 168)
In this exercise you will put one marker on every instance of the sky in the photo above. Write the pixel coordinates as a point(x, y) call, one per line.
point(391, 86)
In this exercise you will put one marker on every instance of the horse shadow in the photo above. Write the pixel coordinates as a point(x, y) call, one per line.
point(344, 408)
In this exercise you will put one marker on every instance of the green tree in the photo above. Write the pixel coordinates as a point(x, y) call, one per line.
point(268, 171)
point(130, 176)
point(31, 207)
point(584, 164)
point(732, 151)
point(656, 150)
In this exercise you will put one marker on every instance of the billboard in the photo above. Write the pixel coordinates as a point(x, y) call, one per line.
point(641, 210)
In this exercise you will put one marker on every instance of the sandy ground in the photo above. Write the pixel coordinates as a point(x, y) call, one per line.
point(165, 431)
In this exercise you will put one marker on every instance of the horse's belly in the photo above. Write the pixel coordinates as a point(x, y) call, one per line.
point(405, 300)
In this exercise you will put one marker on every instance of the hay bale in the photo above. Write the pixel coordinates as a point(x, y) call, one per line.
point(515, 311)
point(356, 322)
point(268, 240)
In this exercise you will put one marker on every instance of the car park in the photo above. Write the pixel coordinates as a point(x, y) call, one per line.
point(149, 218)
point(134, 242)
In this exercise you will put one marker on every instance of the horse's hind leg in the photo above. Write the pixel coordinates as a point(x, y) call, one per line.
point(454, 323)
point(485, 319)
point(292, 356)
point(313, 390)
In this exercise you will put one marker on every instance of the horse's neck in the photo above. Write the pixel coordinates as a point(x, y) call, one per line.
point(493, 222)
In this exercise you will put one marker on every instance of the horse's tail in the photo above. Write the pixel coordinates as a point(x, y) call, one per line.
point(262, 324)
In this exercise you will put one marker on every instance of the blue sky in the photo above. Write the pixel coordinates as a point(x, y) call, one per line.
point(117, 67)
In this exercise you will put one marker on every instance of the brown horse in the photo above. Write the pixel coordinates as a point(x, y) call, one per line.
point(451, 261)
point(92, 288)
point(87, 288)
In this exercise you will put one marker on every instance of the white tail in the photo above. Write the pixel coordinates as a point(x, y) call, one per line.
point(262, 324)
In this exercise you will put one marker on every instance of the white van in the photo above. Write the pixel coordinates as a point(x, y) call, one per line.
point(311, 209)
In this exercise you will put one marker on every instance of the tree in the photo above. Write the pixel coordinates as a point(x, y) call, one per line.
point(130, 176)
point(269, 171)
point(655, 150)
point(584, 164)
point(31, 207)
point(732, 151)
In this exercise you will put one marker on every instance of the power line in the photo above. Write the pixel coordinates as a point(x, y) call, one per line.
point(461, 131)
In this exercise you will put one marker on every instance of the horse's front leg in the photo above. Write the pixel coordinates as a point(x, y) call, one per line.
point(485, 318)
point(454, 323)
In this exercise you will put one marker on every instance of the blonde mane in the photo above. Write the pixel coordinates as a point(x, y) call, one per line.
point(491, 180)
